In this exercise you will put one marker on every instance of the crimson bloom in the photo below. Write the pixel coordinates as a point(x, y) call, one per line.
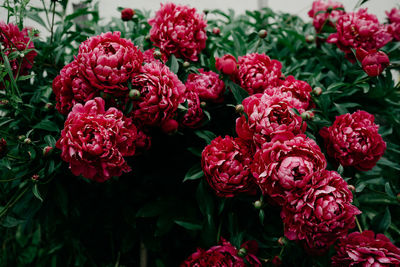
point(394, 20)
point(127, 14)
point(321, 213)
point(366, 249)
point(226, 64)
point(331, 12)
point(95, 141)
point(222, 255)
point(107, 61)
point(353, 140)
point(373, 62)
point(194, 114)
point(226, 165)
point(178, 30)
point(207, 85)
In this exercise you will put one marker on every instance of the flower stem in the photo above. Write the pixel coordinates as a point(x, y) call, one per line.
point(358, 225)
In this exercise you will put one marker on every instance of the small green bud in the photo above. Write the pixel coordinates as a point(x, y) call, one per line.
point(239, 109)
point(257, 204)
point(242, 252)
point(134, 94)
point(186, 64)
point(262, 34)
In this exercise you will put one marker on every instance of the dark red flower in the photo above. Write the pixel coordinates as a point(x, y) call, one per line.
point(223, 255)
point(226, 64)
point(207, 85)
point(320, 213)
point(359, 30)
point(366, 249)
point(286, 164)
point(353, 140)
point(373, 62)
point(194, 115)
point(70, 88)
point(257, 72)
point(325, 14)
point(127, 14)
point(169, 126)
point(160, 94)
point(94, 141)
point(226, 165)
point(178, 30)
point(107, 61)
point(3, 148)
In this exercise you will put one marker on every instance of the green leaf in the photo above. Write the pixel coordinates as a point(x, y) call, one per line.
point(36, 192)
point(189, 225)
point(238, 92)
point(173, 64)
point(381, 221)
point(194, 173)
point(205, 135)
point(50, 140)
point(47, 126)
point(388, 163)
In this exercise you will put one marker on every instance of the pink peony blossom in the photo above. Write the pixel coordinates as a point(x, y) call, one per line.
point(394, 20)
point(207, 85)
point(107, 61)
point(194, 115)
point(320, 213)
point(226, 165)
point(94, 141)
point(286, 164)
point(226, 64)
point(353, 140)
point(178, 30)
point(257, 72)
point(268, 115)
point(224, 255)
point(359, 30)
point(160, 94)
point(373, 62)
point(366, 249)
point(70, 88)
point(331, 12)
point(13, 40)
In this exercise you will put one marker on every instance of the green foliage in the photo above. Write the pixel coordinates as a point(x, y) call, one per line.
point(165, 205)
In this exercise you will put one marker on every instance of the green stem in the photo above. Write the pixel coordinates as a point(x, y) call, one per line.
point(52, 21)
point(358, 225)
point(219, 230)
point(12, 202)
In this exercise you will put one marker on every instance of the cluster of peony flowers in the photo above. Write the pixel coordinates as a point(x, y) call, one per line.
point(357, 30)
point(225, 254)
point(135, 85)
point(13, 41)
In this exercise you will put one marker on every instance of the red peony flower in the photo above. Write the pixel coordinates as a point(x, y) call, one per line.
point(226, 165)
point(373, 62)
point(257, 72)
point(359, 30)
point(222, 255)
point(169, 126)
point(353, 140)
point(268, 115)
point(226, 64)
point(331, 12)
point(286, 164)
point(127, 14)
point(94, 141)
point(107, 61)
point(160, 94)
point(151, 55)
point(320, 213)
point(142, 142)
point(394, 20)
point(194, 115)
point(364, 249)
point(207, 85)
point(70, 88)
point(178, 30)
point(13, 40)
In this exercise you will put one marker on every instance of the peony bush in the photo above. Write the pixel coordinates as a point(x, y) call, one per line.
point(184, 137)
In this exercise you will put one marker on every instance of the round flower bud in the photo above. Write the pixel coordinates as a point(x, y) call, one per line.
point(317, 91)
point(239, 109)
point(134, 94)
point(170, 126)
point(307, 115)
point(35, 177)
point(21, 137)
point(262, 34)
point(242, 252)
point(47, 150)
point(310, 38)
point(27, 141)
point(127, 14)
point(186, 64)
point(257, 204)
point(351, 187)
point(203, 104)
point(216, 31)
point(49, 106)
point(157, 54)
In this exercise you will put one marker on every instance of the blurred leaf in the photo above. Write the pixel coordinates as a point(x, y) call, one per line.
point(194, 173)
point(47, 126)
point(238, 92)
point(36, 193)
point(381, 221)
point(205, 135)
point(189, 225)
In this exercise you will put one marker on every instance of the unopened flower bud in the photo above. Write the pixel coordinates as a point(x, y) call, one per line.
point(170, 126)
point(351, 187)
point(27, 141)
point(216, 31)
point(317, 91)
point(127, 14)
point(242, 252)
point(307, 115)
point(2, 47)
point(282, 241)
point(239, 109)
point(203, 104)
point(310, 38)
point(47, 150)
point(21, 55)
point(21, 137)
point(49, 106)
point(257, 204)
point(186, 64)
point(35, 177)
point(276, 261)
point(262, 34)
point(134, 94)
point(206, 11)
point(157, 54)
